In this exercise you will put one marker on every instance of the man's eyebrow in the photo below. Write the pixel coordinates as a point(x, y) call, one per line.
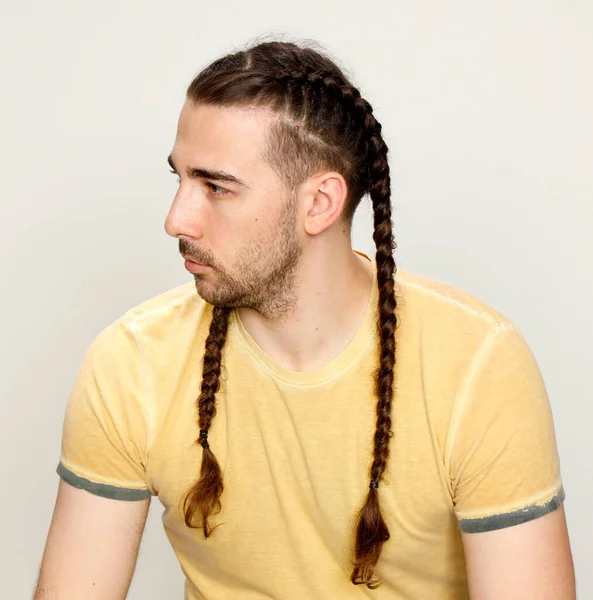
point(210, 174)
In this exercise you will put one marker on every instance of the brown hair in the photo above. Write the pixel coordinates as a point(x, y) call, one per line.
point(322, 123)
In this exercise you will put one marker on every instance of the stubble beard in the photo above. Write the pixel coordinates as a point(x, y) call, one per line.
point(265, 273)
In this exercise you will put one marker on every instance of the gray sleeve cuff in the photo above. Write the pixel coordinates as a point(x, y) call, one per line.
point(101, 489)
point(522, 515)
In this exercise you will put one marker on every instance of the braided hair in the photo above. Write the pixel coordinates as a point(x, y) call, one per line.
point(322, 122)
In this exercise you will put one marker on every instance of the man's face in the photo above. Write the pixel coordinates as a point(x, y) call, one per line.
point(246, 231)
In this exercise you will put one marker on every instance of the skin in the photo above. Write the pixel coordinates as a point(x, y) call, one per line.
point(284, 260)
point(531, 561)
point(91, 547)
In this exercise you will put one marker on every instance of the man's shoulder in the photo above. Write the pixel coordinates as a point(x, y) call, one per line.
point(440, 301)
point(174, 307)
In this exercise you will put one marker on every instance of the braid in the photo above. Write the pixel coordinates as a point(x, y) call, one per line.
point(372, 531)
point(204, 496)
point(325, 123)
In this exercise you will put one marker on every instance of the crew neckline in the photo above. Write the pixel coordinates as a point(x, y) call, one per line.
point(336, 365)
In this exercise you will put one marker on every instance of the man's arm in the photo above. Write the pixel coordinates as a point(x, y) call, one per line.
point(530, 561)
point(91, 547)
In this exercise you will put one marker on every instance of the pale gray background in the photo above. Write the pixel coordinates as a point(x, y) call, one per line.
point(487, 110)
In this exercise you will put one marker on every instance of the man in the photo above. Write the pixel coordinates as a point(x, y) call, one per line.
point(315, 424)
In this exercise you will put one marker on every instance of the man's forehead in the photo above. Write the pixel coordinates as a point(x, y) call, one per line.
point(221, 135)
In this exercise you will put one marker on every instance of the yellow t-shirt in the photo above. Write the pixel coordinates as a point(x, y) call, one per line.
point(473, 447)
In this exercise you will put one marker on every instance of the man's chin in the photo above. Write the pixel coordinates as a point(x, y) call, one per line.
point(207, 293)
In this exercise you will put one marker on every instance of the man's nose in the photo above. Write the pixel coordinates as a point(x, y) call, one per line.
point(184, 218)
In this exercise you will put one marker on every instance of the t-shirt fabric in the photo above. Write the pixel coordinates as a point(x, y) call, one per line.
point(473, 446)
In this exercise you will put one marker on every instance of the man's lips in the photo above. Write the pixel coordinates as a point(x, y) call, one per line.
point(195, 268)
point(187, 258)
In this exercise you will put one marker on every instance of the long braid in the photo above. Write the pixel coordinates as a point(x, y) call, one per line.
point(328, 124)
point(372, 531)
point(204, 496)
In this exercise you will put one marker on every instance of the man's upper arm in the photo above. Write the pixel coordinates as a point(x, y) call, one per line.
point(530, 561)
point(505, 474)
point(92, 546)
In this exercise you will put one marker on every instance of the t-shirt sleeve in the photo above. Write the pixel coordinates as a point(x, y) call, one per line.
point(103, 446)
point(504, 464)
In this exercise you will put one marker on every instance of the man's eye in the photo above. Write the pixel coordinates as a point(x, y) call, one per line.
point(175, 173)
point(217, 190)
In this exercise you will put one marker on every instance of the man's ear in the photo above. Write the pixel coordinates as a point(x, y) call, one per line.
point(324, 199)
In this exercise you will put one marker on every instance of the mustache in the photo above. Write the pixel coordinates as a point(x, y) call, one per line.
point(187, 251)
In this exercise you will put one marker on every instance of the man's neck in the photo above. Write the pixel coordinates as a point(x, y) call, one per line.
point(333, 296)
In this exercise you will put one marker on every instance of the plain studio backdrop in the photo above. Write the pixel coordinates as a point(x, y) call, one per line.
point(486, 109)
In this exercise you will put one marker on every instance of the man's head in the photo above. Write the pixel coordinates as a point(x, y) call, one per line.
point(295, 174)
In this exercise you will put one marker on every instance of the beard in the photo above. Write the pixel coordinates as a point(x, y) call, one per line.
point(264, 274)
